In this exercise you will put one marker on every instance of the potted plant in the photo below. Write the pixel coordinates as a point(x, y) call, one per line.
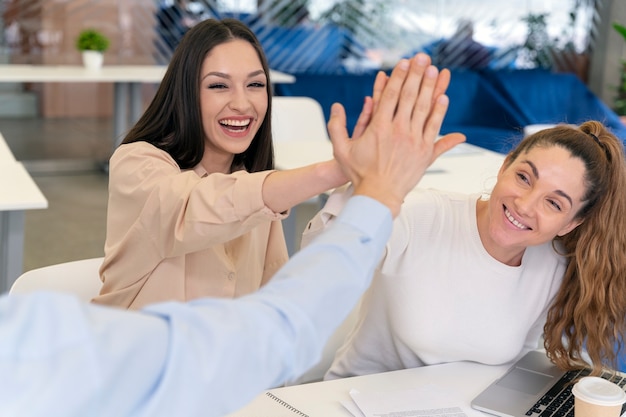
point(619, 104)
point(92, 45)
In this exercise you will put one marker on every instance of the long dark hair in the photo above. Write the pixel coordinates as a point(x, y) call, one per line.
point(173, 122)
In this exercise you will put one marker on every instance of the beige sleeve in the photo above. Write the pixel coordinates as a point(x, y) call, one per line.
point(152, 203)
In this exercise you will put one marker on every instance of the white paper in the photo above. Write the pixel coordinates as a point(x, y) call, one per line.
point(423, 401)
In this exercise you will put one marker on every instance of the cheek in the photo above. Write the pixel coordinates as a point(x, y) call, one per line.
point(261, 108)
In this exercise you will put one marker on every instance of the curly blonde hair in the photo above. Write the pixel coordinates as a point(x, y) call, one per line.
point(589, 310)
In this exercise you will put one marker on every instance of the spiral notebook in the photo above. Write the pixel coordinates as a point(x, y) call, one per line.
point(272, 404)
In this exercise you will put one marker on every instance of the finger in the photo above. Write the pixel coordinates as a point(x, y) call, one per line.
point(443, 82)
point(411, 89)
point(391, 93)
point(379, 86)
point(364, 118)
point(337, 131)
point(426, 103)
point(433, 126)
point(446, 143)
point(435, 119)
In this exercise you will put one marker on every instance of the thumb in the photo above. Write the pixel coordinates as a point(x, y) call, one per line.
point(446, 143)
point(337, 128)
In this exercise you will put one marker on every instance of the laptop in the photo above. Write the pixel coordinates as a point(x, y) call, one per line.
point(535, 387)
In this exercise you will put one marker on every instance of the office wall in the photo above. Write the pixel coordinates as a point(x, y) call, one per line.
point(609, 52)
point(47, 34)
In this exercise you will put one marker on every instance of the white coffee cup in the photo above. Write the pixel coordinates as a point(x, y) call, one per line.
point(597, 397)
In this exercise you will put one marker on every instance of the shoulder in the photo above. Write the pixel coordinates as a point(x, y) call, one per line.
point(430, 203)
point(546, 256)
point(141, 150)
point(429, 214)
point(136, 157)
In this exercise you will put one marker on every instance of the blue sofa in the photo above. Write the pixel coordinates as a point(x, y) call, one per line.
point(491, 107)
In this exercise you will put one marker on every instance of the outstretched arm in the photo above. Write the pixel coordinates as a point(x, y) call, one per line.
point(80, 359)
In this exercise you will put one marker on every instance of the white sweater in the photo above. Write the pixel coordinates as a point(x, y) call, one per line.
point(438, 296)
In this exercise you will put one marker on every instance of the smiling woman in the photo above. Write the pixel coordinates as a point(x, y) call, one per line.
point(195, 205)
point(482, 278)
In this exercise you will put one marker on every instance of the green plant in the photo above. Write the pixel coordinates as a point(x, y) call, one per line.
point(537, 47)
point(92, 40)
point(619, 104)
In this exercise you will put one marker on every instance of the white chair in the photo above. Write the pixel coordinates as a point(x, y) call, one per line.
point(298, 119)
point(77, 277)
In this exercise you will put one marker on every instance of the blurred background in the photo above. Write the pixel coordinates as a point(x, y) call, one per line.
point(313, 36)
point(62, 131)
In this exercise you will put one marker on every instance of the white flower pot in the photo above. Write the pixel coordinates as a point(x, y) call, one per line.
point(93, 59)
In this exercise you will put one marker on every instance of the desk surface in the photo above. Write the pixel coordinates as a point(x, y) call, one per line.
point(323, 399)
point(5, 152)
point(108, 73)
point(465, 169)
point(18, 191)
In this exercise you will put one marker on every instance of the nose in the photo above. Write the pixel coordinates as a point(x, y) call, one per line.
point(240, 101)
point(526, 203)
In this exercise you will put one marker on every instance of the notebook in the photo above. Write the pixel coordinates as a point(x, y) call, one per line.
point(534, 387)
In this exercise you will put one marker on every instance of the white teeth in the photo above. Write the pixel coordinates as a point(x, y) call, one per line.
point(236, 123)
point(513, 220)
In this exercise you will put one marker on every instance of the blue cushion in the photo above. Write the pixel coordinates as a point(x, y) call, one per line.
point(541, 96)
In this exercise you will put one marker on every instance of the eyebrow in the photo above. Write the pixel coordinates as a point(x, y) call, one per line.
point(562, 193)
point(224, 75)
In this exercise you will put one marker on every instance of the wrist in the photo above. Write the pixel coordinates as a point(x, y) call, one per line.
point(331, 174)
point(381, 192)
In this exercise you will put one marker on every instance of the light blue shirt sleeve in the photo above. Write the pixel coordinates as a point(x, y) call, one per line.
point(208, 357)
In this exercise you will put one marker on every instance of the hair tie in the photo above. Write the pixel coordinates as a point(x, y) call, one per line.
point(606, 150)
point(595, 138)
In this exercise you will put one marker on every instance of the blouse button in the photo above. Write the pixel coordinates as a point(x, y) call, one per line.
point(231, 276)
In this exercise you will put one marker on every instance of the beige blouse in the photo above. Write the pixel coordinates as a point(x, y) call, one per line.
point(180, 235)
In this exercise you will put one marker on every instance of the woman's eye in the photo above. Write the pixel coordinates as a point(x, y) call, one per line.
point(257, 85)
point(522, 177)
point(216, 86)
point(555, 204)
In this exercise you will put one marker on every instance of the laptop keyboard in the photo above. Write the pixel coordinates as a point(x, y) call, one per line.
point(559, 400)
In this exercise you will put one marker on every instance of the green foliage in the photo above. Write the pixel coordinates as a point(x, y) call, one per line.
point(620, 29)
point(538, 43)
point(92, 40)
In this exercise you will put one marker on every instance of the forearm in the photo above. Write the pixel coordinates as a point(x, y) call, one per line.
point(283, 190)
point(80, 359)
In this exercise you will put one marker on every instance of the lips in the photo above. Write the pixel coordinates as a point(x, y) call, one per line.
point(514, 221)
point(236, 125)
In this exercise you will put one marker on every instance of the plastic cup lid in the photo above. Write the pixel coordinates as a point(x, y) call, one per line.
point(596, 390)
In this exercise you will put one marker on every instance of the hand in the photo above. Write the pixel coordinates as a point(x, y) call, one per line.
point(399, 143)
point(443, 81)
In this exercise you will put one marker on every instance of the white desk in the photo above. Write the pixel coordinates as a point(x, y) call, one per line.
point(464, 169)
point(5, 152)
point(127, 81)
point(18, 192)
point(323, 399)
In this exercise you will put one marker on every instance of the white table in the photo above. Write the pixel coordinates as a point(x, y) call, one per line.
point(127, 80)
point(323, 399)
point(18, 192)
point(464, 169)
